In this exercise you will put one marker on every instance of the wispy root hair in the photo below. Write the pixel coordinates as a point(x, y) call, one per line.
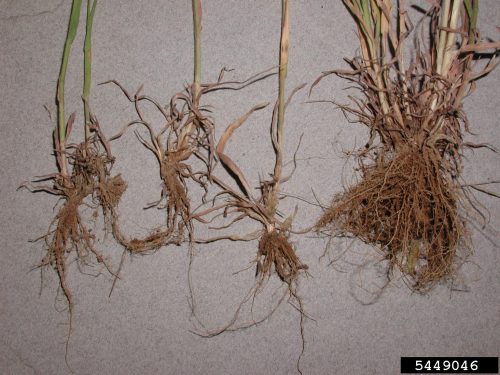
point(410, 200)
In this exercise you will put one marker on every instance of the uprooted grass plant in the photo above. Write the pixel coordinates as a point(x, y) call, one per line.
point(410, 199)
point(84, 172)
point(186, 134)
point(275, 253)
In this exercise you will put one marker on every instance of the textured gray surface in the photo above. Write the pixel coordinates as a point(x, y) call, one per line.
point(144, 328)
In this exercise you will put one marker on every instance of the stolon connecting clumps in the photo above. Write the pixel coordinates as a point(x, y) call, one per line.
point(84, 176)
point(410, 200)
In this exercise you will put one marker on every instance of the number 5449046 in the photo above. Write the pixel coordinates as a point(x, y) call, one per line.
point(446, 365)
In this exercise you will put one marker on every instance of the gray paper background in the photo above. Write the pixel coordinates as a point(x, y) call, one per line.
point(145, 327)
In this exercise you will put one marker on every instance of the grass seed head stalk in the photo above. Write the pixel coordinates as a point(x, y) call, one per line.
point(443, 24)
point(197, 13)
point(451, 37)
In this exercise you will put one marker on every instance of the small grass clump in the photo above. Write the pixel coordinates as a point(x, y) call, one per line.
point(84, 172)
point(275, 253)
point(187, 134)
point(410, 198)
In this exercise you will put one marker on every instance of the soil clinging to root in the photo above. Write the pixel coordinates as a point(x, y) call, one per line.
point(90, 178)
point(275, 249)
point(408, 206)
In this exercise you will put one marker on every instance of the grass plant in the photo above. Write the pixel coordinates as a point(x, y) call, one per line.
point(84, 172)
point(275, 253)
point(410, 199)
point(186, 134)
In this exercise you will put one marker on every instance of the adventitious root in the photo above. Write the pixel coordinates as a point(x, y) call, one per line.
point(275, 255)
point(408, 206)
point(90, 178)
point(275, 250)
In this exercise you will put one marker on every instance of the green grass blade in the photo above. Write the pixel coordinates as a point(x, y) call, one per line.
point(472, 9)
point(70, 37)
point(365, 9)
point(87, 64)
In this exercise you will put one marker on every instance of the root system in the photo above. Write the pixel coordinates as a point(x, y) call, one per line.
point(91, 185)
point(186, 135)
point(408, 206)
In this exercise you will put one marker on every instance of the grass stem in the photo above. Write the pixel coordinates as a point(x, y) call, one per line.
point(70, 37)
point(450, 40)
point(197, 45)
point(87, 65)
point(196, 85)
point(283, 69)
point(443, 23)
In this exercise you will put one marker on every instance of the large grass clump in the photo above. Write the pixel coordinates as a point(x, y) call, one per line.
point(410, 198)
